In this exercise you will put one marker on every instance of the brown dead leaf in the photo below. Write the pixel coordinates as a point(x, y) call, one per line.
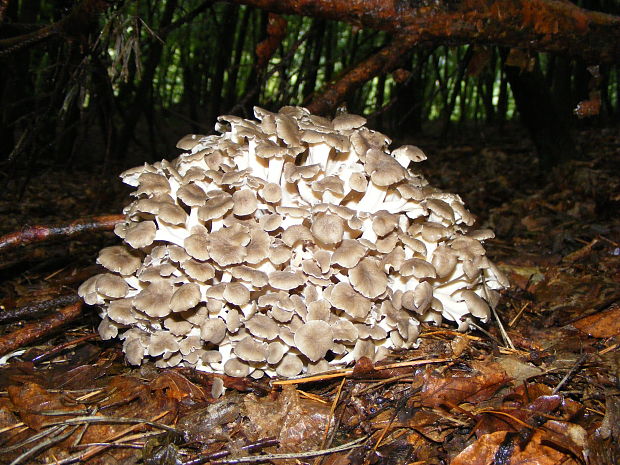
point(451, 390)
point(601, 325)
point(178, 387)
point(212, 423)
point(298, 423)
point(31, 399)
point(498, 448)
point(517, 369)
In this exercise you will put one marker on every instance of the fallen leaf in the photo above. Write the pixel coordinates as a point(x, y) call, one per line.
point(451, 390)
point(502, 447)
point(601, 325)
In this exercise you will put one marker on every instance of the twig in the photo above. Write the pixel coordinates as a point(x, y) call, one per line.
point(35, 309)
point(42, 233)
point(485, 332)
point(36, 450)
point(35, 330)
point(518, 315)
point(119, 420)
point(299, 455)
point(349, 371)
point(261, 444)
point(502, 331)
point(59, 348)
point(570, 373)
point(85, 455)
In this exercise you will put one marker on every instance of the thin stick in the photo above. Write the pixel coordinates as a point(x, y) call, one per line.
point(119, 420)
point(502, 331)
point(518, 315)
point(349, 371)
point(300, 455)
point(36, 450)
point(570, 373)
point(95, 450)
point(37, 329)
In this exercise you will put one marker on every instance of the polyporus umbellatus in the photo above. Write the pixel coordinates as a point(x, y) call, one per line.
point(285, 245)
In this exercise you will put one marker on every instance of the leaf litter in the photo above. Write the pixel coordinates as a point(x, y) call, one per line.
point(549, 396)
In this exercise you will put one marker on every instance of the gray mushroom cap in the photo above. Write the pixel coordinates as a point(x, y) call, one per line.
point(313, 339)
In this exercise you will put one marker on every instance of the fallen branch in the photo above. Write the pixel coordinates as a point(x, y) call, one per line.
point(38, 329)
point(42, 233)
point(37, 308)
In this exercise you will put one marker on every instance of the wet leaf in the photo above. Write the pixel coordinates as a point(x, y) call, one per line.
point(31, 400)
point(451, 390)
point(490, 448)
point(298, 423)
point(601, 325)
point(178, 387)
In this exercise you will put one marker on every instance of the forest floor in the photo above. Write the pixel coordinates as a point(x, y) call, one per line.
point(547, 391)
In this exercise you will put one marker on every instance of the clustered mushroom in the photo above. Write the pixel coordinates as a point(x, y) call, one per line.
point(291, 244)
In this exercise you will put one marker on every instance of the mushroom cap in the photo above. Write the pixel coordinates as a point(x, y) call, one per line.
point(262, 326)
point(236, 293)
point(313, 339)
point(286, 280)
point(327, 229)
point(344, 297)
point(154, 300)
point(162, 342)
point(119, 259)
point(290, 365)
point(213, 330)
point(251, 350)
point(236, 368)
point(411, 152)
point(383, 169)
point(245, 202)
point(368, 279)
point(185, 297)
point(139, 235)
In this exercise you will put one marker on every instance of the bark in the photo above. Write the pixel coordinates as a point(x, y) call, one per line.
point(548, 127)
point(383, 61)
point(44, 233)
point(38, 329)
point(556, 26)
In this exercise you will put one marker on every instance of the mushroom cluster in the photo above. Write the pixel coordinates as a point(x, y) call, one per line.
point(287, 244)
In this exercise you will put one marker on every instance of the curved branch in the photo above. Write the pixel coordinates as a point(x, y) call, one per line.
point(387, 59)
point(556, 26)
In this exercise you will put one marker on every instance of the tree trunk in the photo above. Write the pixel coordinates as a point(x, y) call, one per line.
point(548, 127)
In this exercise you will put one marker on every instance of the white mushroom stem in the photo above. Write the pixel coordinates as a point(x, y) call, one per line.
point(319, 155)
point(169, 233)
point(217, 224)
point(369, 233)
point(192, 219)
point(258, 169)
point(403, 159)
point(371, 202)
point(348, 162)
point(306, 192)
point(274, 173)
point(332, 197)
